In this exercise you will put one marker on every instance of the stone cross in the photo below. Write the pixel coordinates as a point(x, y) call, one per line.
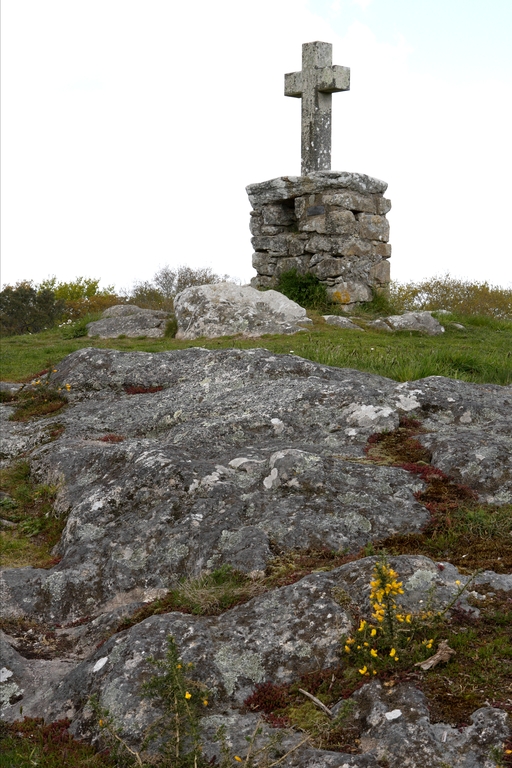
point(315, 84)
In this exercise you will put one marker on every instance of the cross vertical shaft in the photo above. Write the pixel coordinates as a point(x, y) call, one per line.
point(315, 84)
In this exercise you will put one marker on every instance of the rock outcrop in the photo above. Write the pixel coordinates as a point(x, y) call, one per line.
point(408, 321)
point(228, 458)
point(130, 321)
point(225, 309)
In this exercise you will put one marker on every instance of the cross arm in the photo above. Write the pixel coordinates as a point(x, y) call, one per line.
point(293, 84)
point(333, 79)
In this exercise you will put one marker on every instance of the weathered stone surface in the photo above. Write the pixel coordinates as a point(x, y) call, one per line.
point(129, 320)
point(224, 309)
point(474, 458)
point(341, 322)
point(314, 85)
point(242, 454)
point(415, 321)
point(349, 292)
point(289, 187)
point(373, 227)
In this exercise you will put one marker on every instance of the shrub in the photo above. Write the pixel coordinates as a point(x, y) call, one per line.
point(453, 294)
point(306, 290)
point(168, 282)
point(28, 309)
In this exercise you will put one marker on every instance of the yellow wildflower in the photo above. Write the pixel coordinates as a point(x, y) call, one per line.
point(373, 632)
point(364, 670)
point(457, 582)
point(238, 759)
point(392, 652)
point(347, 648)
point(178, 666)
point(68, 387)
point(188, 695)
point(205, 702)
point(374, 653)
point(362, 625)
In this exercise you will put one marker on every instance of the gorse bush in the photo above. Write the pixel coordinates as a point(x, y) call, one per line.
point(453, 294)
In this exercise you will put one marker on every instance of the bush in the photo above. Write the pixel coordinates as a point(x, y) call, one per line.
point(159, 293)
point(28, 309)
point(453, 294)
point(306, 290)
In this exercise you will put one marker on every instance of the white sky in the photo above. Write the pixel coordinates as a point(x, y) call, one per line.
point(130, 129)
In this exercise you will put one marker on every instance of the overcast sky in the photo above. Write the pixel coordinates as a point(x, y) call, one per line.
point(130, 129)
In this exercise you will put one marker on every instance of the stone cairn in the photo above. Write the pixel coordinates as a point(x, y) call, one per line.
point(328, 223)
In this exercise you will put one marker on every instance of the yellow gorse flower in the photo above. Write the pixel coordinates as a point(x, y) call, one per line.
point(188, 695)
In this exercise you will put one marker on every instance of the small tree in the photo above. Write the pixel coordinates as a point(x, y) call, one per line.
point(27, 309)
point(159, 293)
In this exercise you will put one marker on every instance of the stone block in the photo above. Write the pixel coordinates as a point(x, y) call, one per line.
point(263, 263)
point(327, 268)
point(290, 187)
point(296, 245)
point(319, 243)
point(383, 250)
point(275, 243)
point(349, 292)
point(380, 272)
point(263, 281)
point(255, 224)
point(300, 263)
point(313, 224)
point(341, 223)
point(350, 246)
point(383, 205)
point(353, 201)
point(280, 215)
point(373, 227)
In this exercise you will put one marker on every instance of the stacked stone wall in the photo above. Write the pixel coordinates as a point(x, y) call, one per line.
point(330, 224)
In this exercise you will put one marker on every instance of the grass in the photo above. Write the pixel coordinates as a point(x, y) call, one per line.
point(29, 529)
point(30, 742)
point(480, 353)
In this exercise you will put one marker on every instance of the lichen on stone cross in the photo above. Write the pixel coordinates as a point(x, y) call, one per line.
point(316, 82)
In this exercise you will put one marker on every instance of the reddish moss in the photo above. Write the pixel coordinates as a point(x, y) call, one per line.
point(136, 390)
point(111, 439)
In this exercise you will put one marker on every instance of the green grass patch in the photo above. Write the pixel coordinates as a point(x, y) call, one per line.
point(29, 529)
point(480, 353)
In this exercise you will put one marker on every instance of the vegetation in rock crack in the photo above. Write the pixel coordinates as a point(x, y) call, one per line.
point(35, 400)
point(174, 739)
point(28, 527)
point(209, 594)
point(462, 530)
